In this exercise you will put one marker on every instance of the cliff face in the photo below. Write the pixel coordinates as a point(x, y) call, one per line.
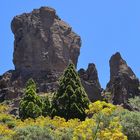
point(43, 47)
point(123, 82)
point(43, 42)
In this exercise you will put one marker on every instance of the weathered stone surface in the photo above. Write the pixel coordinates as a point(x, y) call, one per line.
point(10, 87)
point(119, 66)
point(90, 82)
point(123, 82)
point(43, 42)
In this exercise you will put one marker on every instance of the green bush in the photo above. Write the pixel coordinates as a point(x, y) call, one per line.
point(71, 100)
point(42, 133)
point(131, 124)
point(33, 133)
point(8, 120)
point(107, 96)
point(134, 103)
point(31, 104)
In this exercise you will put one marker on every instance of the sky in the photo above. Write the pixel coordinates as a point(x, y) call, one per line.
point(105, 27)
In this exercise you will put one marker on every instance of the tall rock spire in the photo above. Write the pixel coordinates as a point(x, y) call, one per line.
point(123, 82)
point(90, 82)
point(119, 66)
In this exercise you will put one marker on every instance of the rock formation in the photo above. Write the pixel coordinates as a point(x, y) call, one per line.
point(90, 82)
point(123, 82)
point(43, 47)
point(43, 42)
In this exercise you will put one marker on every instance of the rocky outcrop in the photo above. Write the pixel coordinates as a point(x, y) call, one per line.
point(43, 47)
point(10, 86)
point(90, 82)
point(43, 42)
point(123, 82)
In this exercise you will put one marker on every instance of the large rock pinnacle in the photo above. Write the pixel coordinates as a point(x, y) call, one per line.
point(43, 42)
point(123, 82)
point(119, 66)
point(90, 82)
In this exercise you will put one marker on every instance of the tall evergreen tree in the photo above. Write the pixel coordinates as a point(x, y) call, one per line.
point(70, 101)
point(31, 104)
point(46, 110)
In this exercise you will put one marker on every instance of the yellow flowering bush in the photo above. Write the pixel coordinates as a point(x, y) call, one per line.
point(3, 108)
point(101, 124)
point(113, 132)
point(84, 130)
point(6, 123)
point(107, 126)
point(101, 107)
point(41, 121)
point(6, 118)
point(5, 131)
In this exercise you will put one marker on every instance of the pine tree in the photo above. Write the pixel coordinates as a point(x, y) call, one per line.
point(46, 110)
point(31, 104)
point(70, 101)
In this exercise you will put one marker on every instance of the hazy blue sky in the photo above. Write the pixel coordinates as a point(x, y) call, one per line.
point(105, 26)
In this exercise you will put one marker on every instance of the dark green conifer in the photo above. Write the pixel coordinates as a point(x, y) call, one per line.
point(31, 104)
point(71, 100)
point(46, 110)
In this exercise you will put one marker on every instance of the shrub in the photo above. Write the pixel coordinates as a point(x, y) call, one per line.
point(106, 122)
point(33, 133)
point(7, 120)
point(31, 104)
point(131, 124)
point(107, 96)
point(134, 103)
point(5, 132)
point(3, 108)
point(71, 100)
point(103, 123)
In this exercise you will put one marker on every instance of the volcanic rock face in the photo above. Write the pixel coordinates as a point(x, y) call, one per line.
point(90, 82)
point(43, 47)
point(43, 42)
point(123, 82)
